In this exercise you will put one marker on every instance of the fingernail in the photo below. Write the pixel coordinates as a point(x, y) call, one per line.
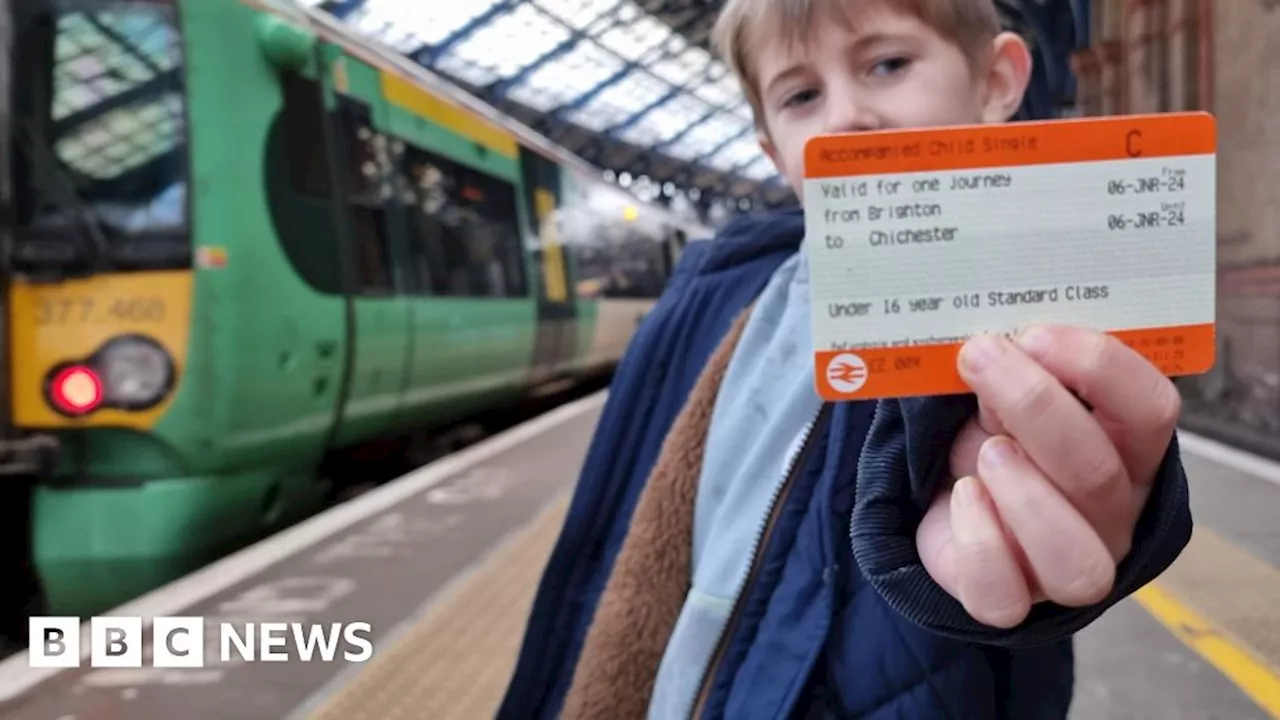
point(1035, 341)
point(965, 492)
point(980, 352)
point(996, 452)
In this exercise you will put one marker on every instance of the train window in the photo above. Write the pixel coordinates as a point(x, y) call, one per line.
point(619, 260)
point(368, 188)
point(464, 233)
point(299, 186)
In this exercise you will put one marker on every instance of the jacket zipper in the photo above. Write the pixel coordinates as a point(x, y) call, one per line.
point(779, 500)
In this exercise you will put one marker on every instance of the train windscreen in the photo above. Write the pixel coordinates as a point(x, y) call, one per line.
point(99, 138)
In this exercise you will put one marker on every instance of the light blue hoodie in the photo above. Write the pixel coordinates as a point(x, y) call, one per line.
point(766, 402)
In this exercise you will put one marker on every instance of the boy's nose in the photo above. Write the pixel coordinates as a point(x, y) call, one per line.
point(851, 118)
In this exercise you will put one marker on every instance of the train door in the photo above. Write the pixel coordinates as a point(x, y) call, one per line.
point(556, 337)
point(471, 325)
point(378, 316)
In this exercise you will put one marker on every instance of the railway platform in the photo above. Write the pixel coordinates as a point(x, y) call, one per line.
point(443, 563)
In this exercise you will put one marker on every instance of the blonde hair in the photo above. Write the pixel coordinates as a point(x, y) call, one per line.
point(971, 24)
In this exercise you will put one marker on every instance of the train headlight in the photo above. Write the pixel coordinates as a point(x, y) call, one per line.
point(136, 372)
point(75, 390)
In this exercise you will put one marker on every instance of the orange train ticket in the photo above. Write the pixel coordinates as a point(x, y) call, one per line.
point(920, 239)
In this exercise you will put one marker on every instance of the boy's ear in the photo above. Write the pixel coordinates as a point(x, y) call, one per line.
point(771, 151)
point(1008, 73)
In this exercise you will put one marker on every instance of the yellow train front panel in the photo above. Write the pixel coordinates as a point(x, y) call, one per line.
point(105, 351)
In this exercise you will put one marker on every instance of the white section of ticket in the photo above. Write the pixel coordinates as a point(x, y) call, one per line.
point(919, 258)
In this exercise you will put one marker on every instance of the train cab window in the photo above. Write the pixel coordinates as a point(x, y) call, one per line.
point(368, 188)
point(463, 228)
point(100, 155)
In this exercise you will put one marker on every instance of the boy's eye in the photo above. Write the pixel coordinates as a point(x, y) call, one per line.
point(799, 97)
point(890, 65)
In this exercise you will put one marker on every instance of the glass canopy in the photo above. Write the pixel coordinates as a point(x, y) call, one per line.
point(604, 65)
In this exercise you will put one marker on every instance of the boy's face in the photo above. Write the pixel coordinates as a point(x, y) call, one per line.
point(885, 70)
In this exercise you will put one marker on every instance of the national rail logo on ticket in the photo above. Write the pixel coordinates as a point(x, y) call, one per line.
point(920, 239)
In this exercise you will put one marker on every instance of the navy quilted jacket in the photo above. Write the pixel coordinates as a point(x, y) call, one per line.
point(843, 621)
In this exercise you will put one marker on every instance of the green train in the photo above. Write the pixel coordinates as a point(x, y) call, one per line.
point(243, 240)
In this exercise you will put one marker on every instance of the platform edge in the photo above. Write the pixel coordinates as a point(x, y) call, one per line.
point(16, 677)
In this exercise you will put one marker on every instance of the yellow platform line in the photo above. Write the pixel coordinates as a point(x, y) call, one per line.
point(1223, 602)
point(1240, 666)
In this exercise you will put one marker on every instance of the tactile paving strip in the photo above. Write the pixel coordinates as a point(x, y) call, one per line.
point(1234, 590)
point(455, 662)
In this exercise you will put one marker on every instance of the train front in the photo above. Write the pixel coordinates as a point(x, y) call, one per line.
point(98, 282)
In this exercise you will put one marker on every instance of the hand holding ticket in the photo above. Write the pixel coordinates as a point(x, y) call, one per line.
point(1028, 264)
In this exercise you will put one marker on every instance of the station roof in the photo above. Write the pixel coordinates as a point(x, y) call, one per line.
point(632, 87)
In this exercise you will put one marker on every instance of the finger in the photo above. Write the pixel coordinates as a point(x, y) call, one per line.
point(991, 586)
point(1133, 400)
point(1069, 561)
point(964, 462)
point(964, 451)
point(934, 542)
point(988, 420)
point(1060, 436)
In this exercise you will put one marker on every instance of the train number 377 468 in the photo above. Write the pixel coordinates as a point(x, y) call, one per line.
point(85, 310)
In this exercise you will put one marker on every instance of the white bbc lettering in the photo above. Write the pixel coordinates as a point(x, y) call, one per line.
point(269, 642)
point(177, 642)
point(115, 642)
point(351, 633)
point(288, 600)
point(274, 635)
point(55, 642)
point(199, 651)
point(180, 644)
point(322, 638)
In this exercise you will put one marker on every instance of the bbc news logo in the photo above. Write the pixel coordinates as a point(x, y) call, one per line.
point(180, 642)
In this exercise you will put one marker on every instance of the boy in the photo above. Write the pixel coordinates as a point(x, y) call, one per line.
point(737, 548)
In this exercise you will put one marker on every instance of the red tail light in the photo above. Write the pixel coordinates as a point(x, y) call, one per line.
point(76, 390)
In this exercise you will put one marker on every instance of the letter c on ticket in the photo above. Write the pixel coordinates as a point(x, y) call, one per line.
point(1131, 143)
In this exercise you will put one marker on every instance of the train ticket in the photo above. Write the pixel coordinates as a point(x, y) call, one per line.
point(920, 239)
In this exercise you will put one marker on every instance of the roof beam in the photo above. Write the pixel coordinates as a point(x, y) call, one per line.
point(429, 54)
point(126, 44)
point(576, 36)
point(638, 115)
point(664, 51)
point(643, 165)
point(668, 96)
point(591, 94)
point(592, 151)
point(554, 123)
point(726, 142)
point(698, 122)
point(341, 9)
point(151, 89)
point(733, 171)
